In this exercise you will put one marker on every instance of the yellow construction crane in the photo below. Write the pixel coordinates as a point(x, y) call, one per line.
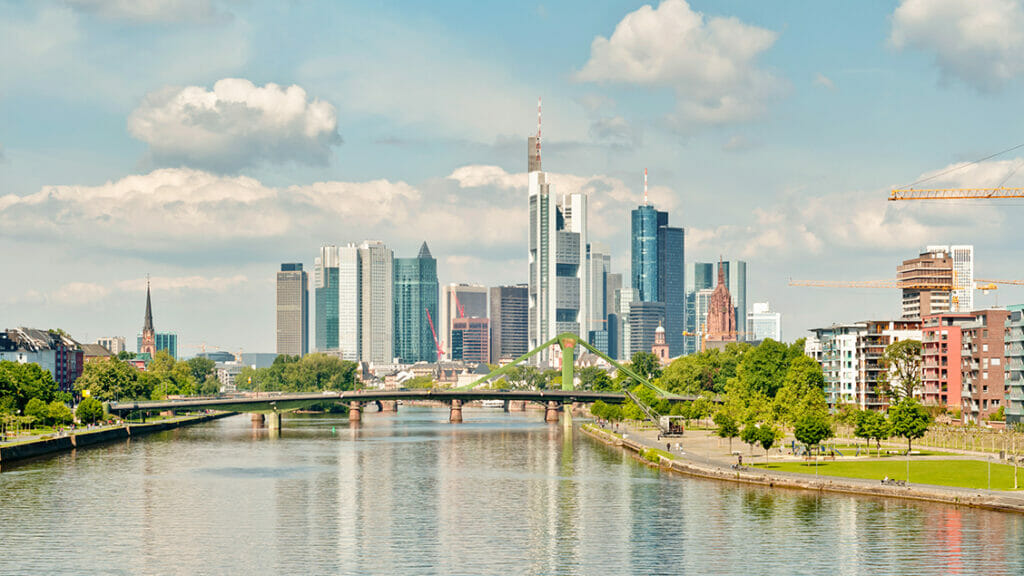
point(955, 193)
point(978, 284)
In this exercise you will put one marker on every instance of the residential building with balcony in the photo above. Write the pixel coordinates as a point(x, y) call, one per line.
point(1013, 370)
point(941, 358)
point(871, 346)
point(982, 365)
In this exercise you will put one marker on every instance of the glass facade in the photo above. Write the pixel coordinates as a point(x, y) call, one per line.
point(327, 310)
point(672, 286)
point(416, 295)
point(644, 253)
point(164, 341)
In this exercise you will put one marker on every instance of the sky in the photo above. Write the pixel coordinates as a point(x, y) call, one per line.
point(204, 142)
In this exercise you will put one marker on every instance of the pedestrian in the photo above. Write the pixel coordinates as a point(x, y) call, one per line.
point(739, 458)
point(668, 446)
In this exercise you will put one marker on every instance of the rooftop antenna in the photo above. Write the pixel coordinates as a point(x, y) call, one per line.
point(538, 132)
point(645, 186)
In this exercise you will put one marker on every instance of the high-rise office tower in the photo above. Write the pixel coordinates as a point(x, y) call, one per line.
point(926, 283)
point(762, 323)
point(699, 276)
point(962, 298)
point(736, 280)
point(558, 299)
point(471, 340)
point(644, 320)
point(613, 293)
point(377, 306)
point(292, 310)
point(509, 322)
point(599, 262)
point(325, 287)
point(460, 301)
point(658, 272)
point(416, 295)
point(350, 300)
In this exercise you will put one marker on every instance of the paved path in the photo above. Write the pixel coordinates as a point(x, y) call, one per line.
point(702, 447)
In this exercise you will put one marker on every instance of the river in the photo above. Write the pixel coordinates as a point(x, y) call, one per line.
point(412, 494)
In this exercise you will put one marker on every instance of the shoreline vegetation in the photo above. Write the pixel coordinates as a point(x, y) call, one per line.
point(759, 476)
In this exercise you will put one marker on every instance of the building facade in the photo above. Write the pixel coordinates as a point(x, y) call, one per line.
point(699, 276)
point(835, 348)
point(326, 278)
point(658, 271)
point(1014, 366)
point(984, 383)
point(942, 358)
point(471, 340)
point(762, 323)
point(292, 310)
point(598, 268)
point(558, 299)
point(509, 322)
point(644, 320)
point(416, 296)
point(51, 350)
point(926, 283)
point(461, 301)
point(116, 344)
point(377, 316)
point(721, 318)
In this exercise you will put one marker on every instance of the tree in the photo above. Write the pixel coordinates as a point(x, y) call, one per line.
point(801, 391)
point(19, 383)
point(812, 428)
point(902, 360)
point(37, 410)
point(594, 378)
point(767, 436)
point(89, 410)
point(60, 414)
point(113, 379)
point(727, 427)
point(210, 386)
point(751, 435)
point(908, 419)
point(201, 367)
point(764, 367)
point(646, 365)
point(872, 425)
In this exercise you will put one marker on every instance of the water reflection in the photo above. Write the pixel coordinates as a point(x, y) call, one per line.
point(412, 494)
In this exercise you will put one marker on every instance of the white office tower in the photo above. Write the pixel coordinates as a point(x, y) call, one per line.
point(963, 275)
point(377, 307)
point(349, 300)
point(558, 296)
point(762, 323)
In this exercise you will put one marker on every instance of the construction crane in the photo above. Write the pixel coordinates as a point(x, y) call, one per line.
point(955, 194)
point(979, 284)
point(437, 343)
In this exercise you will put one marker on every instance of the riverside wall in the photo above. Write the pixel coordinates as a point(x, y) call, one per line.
point(929, 493)
point(48, 446)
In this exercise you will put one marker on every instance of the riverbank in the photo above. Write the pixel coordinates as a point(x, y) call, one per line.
point(683, 464)
point(56, 444)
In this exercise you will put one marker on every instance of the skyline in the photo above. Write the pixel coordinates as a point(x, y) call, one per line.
point(109, 171)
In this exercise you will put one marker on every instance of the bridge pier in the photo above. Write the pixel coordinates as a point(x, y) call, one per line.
point(274, 421)
point(355, 411)
point(455, 411)
point(515, 406)
point(388, 405)
point(551, 412)
point(257, 419)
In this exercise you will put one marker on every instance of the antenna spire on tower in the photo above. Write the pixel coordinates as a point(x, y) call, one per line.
point(645, 186)
point(538, 132)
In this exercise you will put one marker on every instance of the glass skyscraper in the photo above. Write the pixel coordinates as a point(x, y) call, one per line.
point(658, 274)
point(326, 281)
point(416, 295)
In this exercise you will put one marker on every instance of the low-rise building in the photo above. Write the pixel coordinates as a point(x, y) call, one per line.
point(52, 350)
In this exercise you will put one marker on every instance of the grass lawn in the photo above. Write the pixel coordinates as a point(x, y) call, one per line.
point(960, 473)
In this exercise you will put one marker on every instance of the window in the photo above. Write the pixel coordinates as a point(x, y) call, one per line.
point(996, 361)
point(984, 347)
point(984, 375)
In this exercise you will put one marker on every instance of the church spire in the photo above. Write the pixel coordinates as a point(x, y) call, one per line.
point(721, 271)
point(148, 325)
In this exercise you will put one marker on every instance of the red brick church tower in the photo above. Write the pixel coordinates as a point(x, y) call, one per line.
point(721, 322)
point(148, 333)
point(660, 348)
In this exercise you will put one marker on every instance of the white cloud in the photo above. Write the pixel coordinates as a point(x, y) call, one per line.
point(979, 42)
point(78, 293)
point(865, 221)
point(711, 63)
point(824, 82)
point(234, 125)
point(614, 130)
point(153, 10)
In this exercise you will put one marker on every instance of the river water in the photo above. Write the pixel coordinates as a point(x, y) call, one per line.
point(413, 494)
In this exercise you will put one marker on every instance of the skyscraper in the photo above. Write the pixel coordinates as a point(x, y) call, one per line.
point(925, 282)
point(460, 301)
point(598, 267)
point(762, 323)
point(963, 275)
point(558, 299)
point(736, 280)
point(644, 320)
point(699, 276)
point(658, 272)
point(292, 310)
point(471, 340)
point(325, 287)
point(377, 305)
point(509, 322)
point(416, 295)
point(613, 293)
point(350, 300)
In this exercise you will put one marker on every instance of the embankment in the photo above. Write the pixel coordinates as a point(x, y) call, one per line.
point(47, 446)
point(963, 497)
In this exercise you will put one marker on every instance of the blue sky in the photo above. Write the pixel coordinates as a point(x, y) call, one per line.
point(206, 141)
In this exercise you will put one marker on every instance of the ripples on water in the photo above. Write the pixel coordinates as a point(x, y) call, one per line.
point(412, 494)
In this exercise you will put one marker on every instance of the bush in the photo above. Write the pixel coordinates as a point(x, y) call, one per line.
point(89, 410)
point(37, 409)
